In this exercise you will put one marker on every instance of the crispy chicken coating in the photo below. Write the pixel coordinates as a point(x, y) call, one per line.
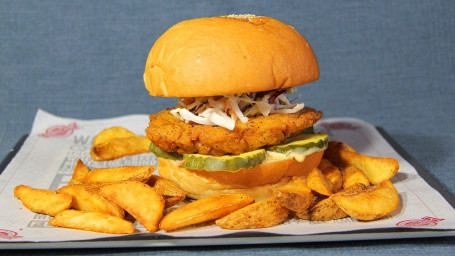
point(175, 135)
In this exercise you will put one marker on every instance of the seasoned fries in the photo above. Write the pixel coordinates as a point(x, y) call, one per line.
point(323, 210)
point(326, 209)
point(370, 204)
point(317, 181)
point(353, 189)
point(42, 200)
point(353, 175)
point(116, 142)
point(138, 199)
point(355, 199)
point(332, 173)
point(115, 132)
point(86, 198)
point(261, 214)
point(106, 176)
point(203, 210)
point(377, 169)
point(119, 147)
point(332, 151)
point(171, 193)
point(79, 172)
point(295, 195)
point(92, 221)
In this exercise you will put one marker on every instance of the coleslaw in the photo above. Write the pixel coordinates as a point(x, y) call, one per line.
point(225, 110)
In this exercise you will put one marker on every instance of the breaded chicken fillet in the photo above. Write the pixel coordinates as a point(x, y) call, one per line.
point(175, 135)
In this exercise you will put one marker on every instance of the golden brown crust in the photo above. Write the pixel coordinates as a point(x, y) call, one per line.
point(228, 55)
point(174, 135)
point(255, 181)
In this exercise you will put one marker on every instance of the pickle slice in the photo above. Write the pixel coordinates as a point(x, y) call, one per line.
point(227, 162)
point(300, 136)
point(159, 152)
point(301, 143)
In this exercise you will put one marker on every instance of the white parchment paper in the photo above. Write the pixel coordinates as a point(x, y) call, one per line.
point(48, 155)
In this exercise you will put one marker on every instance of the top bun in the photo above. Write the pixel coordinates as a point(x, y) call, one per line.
point(228, 55)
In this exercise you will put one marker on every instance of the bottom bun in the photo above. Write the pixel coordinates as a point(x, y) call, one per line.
point(255, 181)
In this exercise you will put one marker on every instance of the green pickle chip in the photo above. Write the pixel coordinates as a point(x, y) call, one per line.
point(227, 162)
point(302, 143)
point(159, 152)
point(299, 144)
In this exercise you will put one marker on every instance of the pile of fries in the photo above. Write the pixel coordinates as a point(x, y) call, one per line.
point(109, 200)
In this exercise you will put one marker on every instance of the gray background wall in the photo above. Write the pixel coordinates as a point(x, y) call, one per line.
point(390, 63)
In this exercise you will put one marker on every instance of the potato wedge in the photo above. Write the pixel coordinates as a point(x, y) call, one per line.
point(170, 191)
point(120, 147)
point(377, 169)
point(369, 204)
point(332, 173)
point(42, 200)
point(326, 209)
point(92, 221)
point(165, 187)
point(323, 210)
point(203, 210)
point(305, 215)
point(86, 198)
point(112, 133)
point(344, 146)
point(261, 214)
point(317, 182)
point(295, 195)
point(353, 175)
point(353, 189)
point(138, 199)
point(79, 172)
point(106, 176)
point(332, 151)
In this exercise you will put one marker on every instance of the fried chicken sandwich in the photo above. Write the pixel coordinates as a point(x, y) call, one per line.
point(235, 128)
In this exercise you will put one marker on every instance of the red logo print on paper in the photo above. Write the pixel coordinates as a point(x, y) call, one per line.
point(8, 234)
point(338, 126)
point(423, 222)
point(59, 131)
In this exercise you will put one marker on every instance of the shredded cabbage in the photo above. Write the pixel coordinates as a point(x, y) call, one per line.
point(225, 110)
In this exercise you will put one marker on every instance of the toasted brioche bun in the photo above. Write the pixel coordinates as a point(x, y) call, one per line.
point(255, 181)
point(228, 55)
